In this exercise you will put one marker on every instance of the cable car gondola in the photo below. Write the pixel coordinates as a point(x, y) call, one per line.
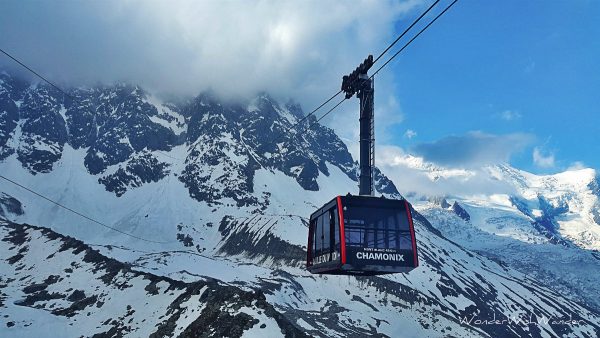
point(362, 234)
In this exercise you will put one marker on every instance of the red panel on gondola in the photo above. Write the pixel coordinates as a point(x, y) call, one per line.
point(412, 233)
point(342, 232)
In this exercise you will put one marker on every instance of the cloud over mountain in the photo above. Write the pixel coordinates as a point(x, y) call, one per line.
point(235, 48)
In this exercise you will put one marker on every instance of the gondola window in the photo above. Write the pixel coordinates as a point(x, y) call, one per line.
point(386, 229)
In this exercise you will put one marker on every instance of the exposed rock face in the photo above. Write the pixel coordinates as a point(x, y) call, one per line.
point(460, 212)
point(140, 169)
point(10, 205)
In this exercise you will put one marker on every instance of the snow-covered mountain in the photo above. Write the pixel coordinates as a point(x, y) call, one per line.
point(564, 207)
point(545, 225)
point(216, 195)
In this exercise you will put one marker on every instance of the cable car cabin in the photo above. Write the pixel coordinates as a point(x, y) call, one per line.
point(362, 235)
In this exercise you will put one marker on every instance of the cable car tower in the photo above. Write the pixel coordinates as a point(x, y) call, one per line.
point(362, 234)
point(359, 83)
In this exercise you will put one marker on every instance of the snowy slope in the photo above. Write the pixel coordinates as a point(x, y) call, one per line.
point(52, 283)
point(567, 269)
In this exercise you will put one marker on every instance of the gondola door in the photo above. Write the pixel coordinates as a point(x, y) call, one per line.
point(324, 247)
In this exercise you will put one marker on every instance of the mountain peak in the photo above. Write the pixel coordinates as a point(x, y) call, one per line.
point(121, 126)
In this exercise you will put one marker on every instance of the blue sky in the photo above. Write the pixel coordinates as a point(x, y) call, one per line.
point(505, 69)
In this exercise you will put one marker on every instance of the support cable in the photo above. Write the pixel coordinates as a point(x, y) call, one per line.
point(414, 37)
point(406, 31)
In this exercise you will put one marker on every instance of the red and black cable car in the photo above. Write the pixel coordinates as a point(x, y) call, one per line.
point(362, 235)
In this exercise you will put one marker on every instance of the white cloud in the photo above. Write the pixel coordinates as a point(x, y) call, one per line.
point(577, 165)
point(409, 134)
point(412, 174)
point(237, 48)
point(451, 165)
point(542, 160)
point(297, 50)
point(510, 115)
point(388, 155)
